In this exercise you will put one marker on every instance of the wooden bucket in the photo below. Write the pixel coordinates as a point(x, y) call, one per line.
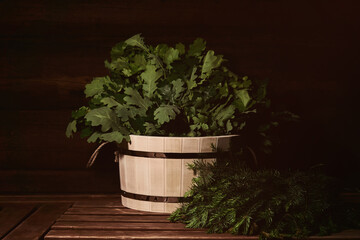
point(154, 172)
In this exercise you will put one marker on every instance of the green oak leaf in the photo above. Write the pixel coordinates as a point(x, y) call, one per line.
point(110, 102)
point(155, 60)
point(95, 102)
point(204, 126)
point(165, 113)
point(81, 112)
point(134, 111)
point(191, 83)
point(150, 76)
point(117, 64)
point(137, 41)
point(161, 49)
point(178, 87)
point(127, 72)
point(86, 132)
point(196, 48)
point(94, 137)
point(96, 86)
point(224, 89)
point(117, 51)
point(261, 92)
point(239, 105)
point(134, 98)
point(230, 74)
point(127, 112)
point(140, 62)
point(200, 118)
point(150, 128)
point(71, 127)
point(149, 85)
point(165, 92)
point(243, 95)
point(225, 114)
point(242, 125)
point(123, 112)
point(229, 126)
point(194, 127)
point(181, 48)
point(104, 117)
point(198, 103)
point(170, 56)
point(210, 62)
point(114, 137)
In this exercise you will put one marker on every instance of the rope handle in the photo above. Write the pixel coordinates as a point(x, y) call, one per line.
point(95, 154)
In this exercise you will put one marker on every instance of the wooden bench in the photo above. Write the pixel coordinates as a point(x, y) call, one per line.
point(97, 217)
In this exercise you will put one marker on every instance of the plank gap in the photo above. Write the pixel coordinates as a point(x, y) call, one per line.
point(18, 215)
point(38, 223)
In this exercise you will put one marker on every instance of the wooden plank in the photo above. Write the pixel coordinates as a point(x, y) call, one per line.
point(39, 135)
point(93, 64)
point(101, 204)
point(162, 13)
point(57, 198)
point(351, 197)
point(109, 211)
point(108, 11)
point(42, 37)
point(76, 65)
point(105, 234)
point(58, 181)
point(38, 223)
point(11, 216)
point(121, 226)
point(24, 135)
point(349, 234)
point(108, 234)
point(112, 218)
point(29, 93)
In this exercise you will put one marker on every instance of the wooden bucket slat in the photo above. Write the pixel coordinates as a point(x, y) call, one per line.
point(162, 176)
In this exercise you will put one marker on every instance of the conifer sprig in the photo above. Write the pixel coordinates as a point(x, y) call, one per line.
point(227, 196)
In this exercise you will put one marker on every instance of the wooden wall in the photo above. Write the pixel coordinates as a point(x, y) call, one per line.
point(50, 49)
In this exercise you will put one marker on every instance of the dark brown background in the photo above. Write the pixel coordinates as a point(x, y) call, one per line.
point(50, 49)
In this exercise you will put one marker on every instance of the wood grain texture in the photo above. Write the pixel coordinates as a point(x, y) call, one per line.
point(58, 198)
point(111, 221)
point(11, 216)
point(109, 211)
point(46, 93)
point(58, 181)
point(103, 204)
point(35, 140)
point(38, 223)
point(39, 136)
point(106, 234)
point(113, 218)
point(35, 215)
point(49, 50)
point(350, 234)
point(123, 226)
